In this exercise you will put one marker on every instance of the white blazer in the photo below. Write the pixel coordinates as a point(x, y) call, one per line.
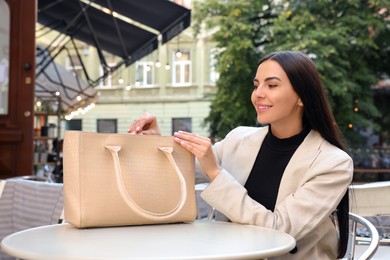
point(313, 183)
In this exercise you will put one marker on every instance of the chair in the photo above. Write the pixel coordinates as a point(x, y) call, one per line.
point(202, 206)
point(30, 178)
point(373, 241)
point(26, 204)
point(370, 200)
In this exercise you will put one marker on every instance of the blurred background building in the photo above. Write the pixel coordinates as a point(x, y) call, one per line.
point(174, 82)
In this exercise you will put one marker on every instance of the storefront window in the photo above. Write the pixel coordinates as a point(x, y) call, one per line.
point(107, 126)
point(4, 55)
point(181, 124)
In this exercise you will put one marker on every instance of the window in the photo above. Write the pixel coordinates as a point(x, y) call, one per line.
point(181, 68)
point(184, 124)
point(107, 126)
point(4, 56)
point(73, 64)
point(74, 124)
point(112, 79)
point(214, 74)
point(144, 73)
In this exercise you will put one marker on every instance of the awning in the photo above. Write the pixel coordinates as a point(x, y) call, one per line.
point(54, 81)
point(128, 29)
point(106, 29)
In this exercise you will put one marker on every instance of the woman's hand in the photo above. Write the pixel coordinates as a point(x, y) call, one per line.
point(201, 148)
point(145, 125)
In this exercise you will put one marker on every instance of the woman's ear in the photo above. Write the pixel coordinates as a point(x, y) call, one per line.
point(300, 103)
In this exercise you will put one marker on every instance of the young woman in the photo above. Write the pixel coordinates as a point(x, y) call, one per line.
point(291, 174)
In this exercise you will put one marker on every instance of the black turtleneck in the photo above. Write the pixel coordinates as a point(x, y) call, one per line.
point(272, 159)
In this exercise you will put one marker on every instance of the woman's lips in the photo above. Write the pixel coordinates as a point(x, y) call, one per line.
point(263, 108)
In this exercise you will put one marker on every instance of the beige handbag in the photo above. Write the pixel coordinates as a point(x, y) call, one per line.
point(123, 179)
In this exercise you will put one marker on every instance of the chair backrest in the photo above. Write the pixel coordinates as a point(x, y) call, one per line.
point(370, 199)
point(355, 221)
point(27, 204)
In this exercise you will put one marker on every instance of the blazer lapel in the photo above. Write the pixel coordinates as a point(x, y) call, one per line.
point(299, 164)
point(252, 145)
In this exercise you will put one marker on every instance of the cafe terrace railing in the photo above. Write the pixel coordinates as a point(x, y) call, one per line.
point(371, 164)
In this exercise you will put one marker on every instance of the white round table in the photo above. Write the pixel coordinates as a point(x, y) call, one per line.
point(198, 240)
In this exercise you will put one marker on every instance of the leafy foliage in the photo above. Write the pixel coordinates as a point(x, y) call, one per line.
point(236, 37)
point(346, 39)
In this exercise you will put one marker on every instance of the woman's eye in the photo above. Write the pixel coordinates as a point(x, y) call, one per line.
point(255, 87)
point(272, 86)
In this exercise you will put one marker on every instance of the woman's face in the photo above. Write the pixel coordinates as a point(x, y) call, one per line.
point(275, 100)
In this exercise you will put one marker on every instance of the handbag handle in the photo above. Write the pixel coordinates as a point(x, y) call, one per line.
point(129, 200)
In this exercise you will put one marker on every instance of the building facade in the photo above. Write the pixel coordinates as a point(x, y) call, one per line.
point(176, 82)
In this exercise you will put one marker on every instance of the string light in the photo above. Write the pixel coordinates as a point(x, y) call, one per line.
point(167, 66)
point(80, 110)
point(178, 52)
point(158, 63)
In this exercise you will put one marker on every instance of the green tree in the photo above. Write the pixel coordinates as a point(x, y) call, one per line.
point(382, 95)
point(238, 27)
point(340, 36)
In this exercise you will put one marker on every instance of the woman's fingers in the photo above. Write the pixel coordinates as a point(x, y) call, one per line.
point(146, 124)
point(193, 138)
point(201, 147)
point(137, 126)
point(196, 144)
point(134, 128)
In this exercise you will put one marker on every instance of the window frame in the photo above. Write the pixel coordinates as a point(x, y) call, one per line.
point(182, 69)
point(145, 77)
point(111, 125)
point(213, 72)
point(181, 123)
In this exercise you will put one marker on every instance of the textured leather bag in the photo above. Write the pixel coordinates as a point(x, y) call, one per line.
point(123, 179)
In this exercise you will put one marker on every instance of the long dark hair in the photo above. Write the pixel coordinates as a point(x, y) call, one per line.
point(317, 114)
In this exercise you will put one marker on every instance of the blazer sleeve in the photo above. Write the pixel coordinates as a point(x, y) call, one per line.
point(317, 195)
